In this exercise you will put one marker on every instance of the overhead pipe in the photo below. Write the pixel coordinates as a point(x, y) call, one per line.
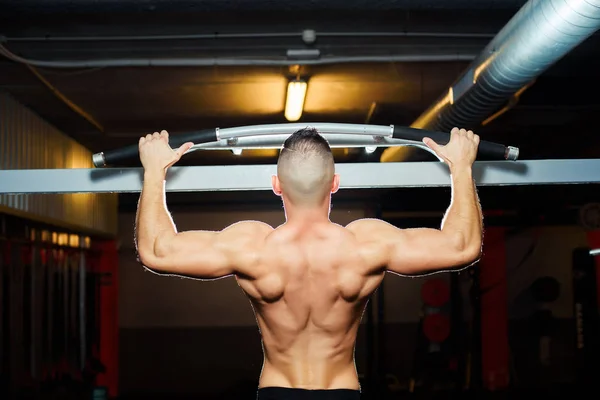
point(248, 35)
point(291, 59)
point(540, 34)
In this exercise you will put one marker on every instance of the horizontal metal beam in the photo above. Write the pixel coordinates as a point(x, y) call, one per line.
point(258, 177)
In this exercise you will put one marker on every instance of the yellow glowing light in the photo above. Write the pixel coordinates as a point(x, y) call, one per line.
point(294, 102)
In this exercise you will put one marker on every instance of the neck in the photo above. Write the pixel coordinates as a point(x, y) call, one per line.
point(307, 214)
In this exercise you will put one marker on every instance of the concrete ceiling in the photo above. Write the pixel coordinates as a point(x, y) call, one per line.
point(128, 102)
point(60, 6)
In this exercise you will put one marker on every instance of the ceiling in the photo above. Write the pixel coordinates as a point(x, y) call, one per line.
point(432, 42)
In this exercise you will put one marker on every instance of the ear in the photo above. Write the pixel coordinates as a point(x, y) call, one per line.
point(276, 185)
point(336, 183)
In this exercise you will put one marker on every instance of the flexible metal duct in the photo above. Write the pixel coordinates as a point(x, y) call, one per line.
point(541, 33)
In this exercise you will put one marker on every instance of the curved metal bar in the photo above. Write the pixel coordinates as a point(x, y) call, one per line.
point(373, 135)
point(335, 141)
point(324, 128)
point(277, 140)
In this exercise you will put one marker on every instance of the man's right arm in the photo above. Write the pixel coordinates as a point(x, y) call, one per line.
point(457, 244)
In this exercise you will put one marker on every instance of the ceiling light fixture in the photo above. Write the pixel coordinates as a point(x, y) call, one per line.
point(237, 151)
point(370, 149)
point(294, 103)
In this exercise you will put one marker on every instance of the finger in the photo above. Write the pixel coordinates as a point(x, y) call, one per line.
point(142, 139)
point(156, 135)
point(432, 144)
point(164, 136)
point(149, 137)
point(454, 133)
point(463, 132)
point(476, 139)
point(183, 148)
point(470, 134)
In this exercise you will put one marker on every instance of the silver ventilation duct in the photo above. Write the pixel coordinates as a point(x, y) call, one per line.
point(541, 33)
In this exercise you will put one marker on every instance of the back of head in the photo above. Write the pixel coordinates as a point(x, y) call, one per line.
point(306, 168)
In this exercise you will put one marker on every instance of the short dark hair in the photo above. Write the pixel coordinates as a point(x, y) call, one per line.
point(306, 140)
point(306, 167)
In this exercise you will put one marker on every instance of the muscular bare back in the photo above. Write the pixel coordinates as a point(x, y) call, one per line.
point(308, 280)
point(309, 293)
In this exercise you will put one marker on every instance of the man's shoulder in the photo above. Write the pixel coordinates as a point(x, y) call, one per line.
point(369, 229)
point(249, 226)
point(360, 225)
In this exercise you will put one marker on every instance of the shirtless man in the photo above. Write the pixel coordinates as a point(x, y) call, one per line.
point(309, 279)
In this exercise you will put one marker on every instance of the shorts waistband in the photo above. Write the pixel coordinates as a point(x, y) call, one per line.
point(283, 393)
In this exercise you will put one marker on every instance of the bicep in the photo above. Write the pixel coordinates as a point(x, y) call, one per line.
point(424, 250)
point(196, 254)
point(411, 251)
point(210, 254)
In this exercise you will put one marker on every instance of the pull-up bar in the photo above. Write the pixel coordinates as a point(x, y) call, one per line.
point(258, 177)
point(340, 134)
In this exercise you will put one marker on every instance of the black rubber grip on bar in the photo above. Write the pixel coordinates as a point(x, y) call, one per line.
point(487, 150)
point(112, 157)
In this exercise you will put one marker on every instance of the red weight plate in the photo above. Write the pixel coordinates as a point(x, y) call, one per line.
point(436, 327)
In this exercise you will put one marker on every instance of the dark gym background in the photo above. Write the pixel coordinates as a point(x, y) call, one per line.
point(518, 318)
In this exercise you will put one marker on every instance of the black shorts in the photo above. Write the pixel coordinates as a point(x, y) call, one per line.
point(281, 393)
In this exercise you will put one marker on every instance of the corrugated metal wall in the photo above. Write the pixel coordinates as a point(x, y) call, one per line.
point(29, 142)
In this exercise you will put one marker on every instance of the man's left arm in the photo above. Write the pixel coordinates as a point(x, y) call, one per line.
point(198, 254)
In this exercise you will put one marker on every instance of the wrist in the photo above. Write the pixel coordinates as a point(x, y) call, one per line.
point(461, 170)
point(154, 175)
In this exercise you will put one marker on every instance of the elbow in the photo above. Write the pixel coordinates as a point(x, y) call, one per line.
point(153, 255)
point(471, 255)
point(469, 251)
point(149, 261)
point(143, 257)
